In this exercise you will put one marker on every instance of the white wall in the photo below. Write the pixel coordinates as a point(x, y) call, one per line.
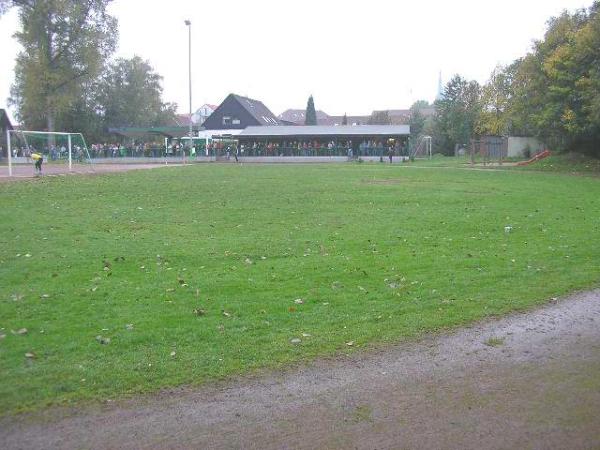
point(517, 146)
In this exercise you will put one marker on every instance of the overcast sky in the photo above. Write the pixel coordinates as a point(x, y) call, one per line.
point(353, 56)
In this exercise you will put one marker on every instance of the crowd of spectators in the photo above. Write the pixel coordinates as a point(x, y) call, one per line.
point(221, 147)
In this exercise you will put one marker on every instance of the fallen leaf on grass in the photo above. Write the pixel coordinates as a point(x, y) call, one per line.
point(199, 312)
point(298, 301)
point(129, 327)
point(44, 296)
point(30, 355)
point(336, 285)
point(291, 309)
point(306, 335)
point(17, 297)
point(2, 336)
point(21, 331)
point(295, 341)
point(248, 261)
point(226, 314)
point(350, 343)
point(103, 340)
point(173, 353)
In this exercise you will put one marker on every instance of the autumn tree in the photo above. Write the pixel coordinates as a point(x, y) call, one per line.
point(556, 87)
point(456, 114)
point(65, 46)
point(130, 94)
point(496, 96)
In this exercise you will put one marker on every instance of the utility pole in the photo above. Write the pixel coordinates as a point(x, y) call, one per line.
point(189, 25)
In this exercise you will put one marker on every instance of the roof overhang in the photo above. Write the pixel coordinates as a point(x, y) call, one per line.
point(326, 131)
point(170, 132)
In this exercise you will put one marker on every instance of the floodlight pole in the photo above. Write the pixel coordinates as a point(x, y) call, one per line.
point(189, 25)
point(8, 149)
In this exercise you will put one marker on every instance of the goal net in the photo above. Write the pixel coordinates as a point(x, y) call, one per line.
point(57, 148)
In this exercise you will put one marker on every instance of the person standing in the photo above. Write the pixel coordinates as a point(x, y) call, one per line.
point(38, 159)
point(391, 153)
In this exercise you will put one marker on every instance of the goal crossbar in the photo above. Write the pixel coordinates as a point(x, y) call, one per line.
point(47, 133)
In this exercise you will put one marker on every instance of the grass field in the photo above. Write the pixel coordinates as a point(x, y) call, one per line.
point(133, 282)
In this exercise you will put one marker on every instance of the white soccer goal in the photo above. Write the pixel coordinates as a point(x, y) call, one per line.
point(54, 145)
point(423, 148)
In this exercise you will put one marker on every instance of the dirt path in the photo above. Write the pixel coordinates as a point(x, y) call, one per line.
point(536, 385)
point(25, 172)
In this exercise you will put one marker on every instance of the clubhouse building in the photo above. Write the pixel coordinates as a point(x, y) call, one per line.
point(247, 125)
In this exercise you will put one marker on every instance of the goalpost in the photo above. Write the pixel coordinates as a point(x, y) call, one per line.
point(55, 143)
point(423, 148)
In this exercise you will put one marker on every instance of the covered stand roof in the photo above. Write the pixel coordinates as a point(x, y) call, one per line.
point(139, 132)
point(318, 130)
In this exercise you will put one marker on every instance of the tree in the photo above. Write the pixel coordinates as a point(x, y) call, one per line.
point(130, 95)
point(456, 114)
point(496, 96)
point(345, 119)
point(65, 45)
point(380, 118)
point(417, 119)
point(557, 86)
point(311, 114)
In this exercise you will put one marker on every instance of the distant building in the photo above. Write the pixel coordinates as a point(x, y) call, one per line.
point(298, 117)
point(237, 112)
point(181, 120)
point(198, 118)
point(396, 117)
point(203, 113)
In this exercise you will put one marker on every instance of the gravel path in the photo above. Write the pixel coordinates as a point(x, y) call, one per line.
point(525, 381)
point(25, 172)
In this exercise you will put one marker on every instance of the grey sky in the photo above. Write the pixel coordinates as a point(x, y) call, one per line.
point(353, 56)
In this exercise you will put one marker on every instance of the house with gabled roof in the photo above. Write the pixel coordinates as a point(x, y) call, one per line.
point(237, 112)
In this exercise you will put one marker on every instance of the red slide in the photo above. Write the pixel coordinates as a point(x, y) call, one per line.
point(536, 158)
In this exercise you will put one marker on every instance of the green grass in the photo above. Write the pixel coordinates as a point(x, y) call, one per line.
point(572, 163)
point(376, 254)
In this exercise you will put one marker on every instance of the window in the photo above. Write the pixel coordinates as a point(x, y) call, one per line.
point(235, 121)
point(226, 120)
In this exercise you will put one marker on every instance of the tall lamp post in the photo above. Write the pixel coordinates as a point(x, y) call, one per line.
point(189, 25)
